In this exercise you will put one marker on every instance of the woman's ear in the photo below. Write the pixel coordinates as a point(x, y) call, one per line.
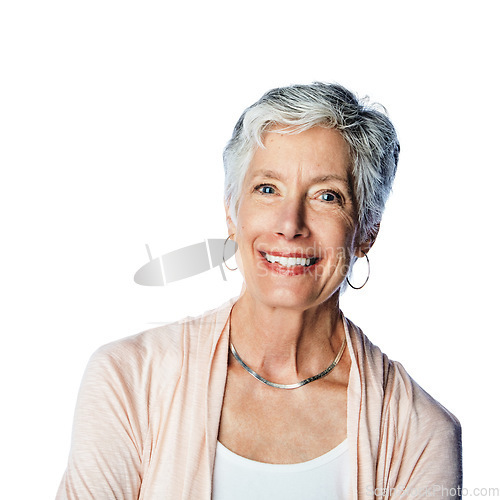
point(364, 247)
point(231, 227)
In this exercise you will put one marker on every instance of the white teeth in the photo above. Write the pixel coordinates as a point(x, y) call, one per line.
point(288, 261)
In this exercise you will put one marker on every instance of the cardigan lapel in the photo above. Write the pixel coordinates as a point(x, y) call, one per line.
point(216, 384)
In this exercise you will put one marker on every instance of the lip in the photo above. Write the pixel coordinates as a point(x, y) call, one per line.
point(288, 271)
point(298, 255)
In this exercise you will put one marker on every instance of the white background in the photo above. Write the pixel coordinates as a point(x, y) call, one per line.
point(113, 120)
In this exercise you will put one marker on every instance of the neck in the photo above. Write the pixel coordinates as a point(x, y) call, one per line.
point(283, 344)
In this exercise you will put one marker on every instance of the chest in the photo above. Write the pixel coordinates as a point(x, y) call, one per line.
point(282, 426)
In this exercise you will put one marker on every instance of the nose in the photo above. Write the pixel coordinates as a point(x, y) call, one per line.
point(291, 220)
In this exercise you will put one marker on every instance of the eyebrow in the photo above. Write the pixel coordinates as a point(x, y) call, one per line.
point(322, 178)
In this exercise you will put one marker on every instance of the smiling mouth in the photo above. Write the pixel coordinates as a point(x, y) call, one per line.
point(288, 262)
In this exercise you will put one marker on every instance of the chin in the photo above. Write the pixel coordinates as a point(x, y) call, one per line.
point(286, 298)
point(292, 298)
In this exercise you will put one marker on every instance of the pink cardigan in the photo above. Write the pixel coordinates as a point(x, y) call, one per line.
point(147, 419)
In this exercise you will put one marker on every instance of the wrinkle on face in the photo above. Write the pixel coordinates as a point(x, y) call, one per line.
point(293, 212)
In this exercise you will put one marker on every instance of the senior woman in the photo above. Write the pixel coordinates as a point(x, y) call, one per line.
point(275, 394)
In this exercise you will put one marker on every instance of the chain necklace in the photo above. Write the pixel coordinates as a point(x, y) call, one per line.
point(289, 386)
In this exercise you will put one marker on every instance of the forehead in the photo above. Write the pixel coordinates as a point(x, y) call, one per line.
point(318, 151)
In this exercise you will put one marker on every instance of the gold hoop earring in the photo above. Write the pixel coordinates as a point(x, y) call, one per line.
point(223, 250)
point(367, 278)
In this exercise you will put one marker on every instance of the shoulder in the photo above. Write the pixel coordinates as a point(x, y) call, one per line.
point(155, 358)
point(403, 399)
point(414, 406)
point(165, 344)
point(426, 434)
point(414, 438)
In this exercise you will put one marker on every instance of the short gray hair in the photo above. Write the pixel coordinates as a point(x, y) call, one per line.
point(370, 135)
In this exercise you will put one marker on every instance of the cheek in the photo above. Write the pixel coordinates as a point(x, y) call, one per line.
point(250, 225)
point(245, 237)
point(337, 232)
point(339, 247)
point(336, 256)
point(343, 261)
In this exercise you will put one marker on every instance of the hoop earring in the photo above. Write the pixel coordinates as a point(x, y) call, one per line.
point(223, 249)
point(367, 278)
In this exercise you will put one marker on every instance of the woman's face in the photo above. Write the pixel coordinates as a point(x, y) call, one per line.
point(296, 204)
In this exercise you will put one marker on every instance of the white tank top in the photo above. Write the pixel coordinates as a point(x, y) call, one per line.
point(323, 478)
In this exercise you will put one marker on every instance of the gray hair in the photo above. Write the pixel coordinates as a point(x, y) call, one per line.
point(370, 135)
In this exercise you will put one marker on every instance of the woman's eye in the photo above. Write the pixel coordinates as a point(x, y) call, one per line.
point(265, 189)
point(330, 196)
